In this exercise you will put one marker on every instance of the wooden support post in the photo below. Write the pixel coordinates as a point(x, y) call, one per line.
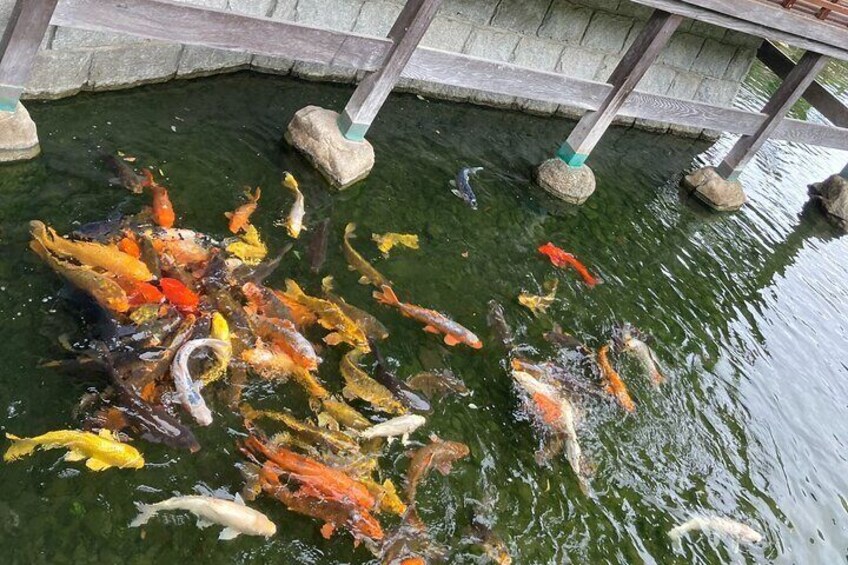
point(624, 78)
point(406, 33)
point(790, 90)
point(19, 46)
point(844, 172)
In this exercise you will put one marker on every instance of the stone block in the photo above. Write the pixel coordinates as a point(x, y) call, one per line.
point(717, 92)
point(318, 71)
point(441, 91)
point(126, 66)
point(657, 79)
point(566, 22)
point(493, 100)
point(476, 11)
point(682, 50)
point(713, 59)
point(710, 188)
point(198, 61)
point(328, 13)
point(638, 25)
point(537, 53)
point(376, 17)
point(653, 126)
point(832, 197)
point(742, 39)
point(523, 17)
point(216, 4)
point(607, 67)
point(536, 107)
point(707, 30)
point(607, 32)
point(636, 11)
point(263, 8)
point(56, 74)
point(18, 136)
point(580, 63)
point(447, 34)
point(740, 64)
point(688, 132)
point(605, 5)
point(285, 10)
point(271, 65)
point(315, 132)
point(684, 85)
point(570, 112)
point(71, 38)
point(492, 44)
point(570, 184)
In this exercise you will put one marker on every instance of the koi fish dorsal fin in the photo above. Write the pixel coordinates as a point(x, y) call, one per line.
point(350, 231)
point(239, 500)
point(107, 434)
point(75, 455)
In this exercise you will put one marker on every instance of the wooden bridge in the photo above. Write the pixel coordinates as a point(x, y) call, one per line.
point(817, 26)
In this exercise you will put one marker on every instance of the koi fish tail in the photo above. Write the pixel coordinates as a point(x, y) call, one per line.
point(293, 290)
point(256, 195)
point(388, 296)
point(350, 230)
point(289, 181)
point(21, 447)
point(148, 178)
point(327, 283)
point(145, 513)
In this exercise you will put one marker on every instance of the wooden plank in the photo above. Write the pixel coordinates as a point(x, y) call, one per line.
point(623, 80)
point(763, 20)
point(24, 32)
point(778, 105)
point(193, 25)
point(168, 21)
point(407, 31)
point(819, 97)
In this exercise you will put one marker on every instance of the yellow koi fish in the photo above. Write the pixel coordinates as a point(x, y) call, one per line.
point(386, 495)
point(102, 450)
point(357, 262)
point(360, 385)
point(106, 257)
point(220, 331)
point(373, 328)
point(304, 430)
point(385, 242)
point(249, 246)
point(330, 316)
point(104, 290)
point(345, 414)
point(540, 304)
point(294, 221)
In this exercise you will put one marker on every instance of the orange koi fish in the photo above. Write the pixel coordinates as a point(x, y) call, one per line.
point(179, 294)
point(163, 211)
point(129, 246)
point(436, 322)
point(241, 217)
point(140, 293)
point(562, 258)
point(549, 409)
point(286, 337)
point(614, 385)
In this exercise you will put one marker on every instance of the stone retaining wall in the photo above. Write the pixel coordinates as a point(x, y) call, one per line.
point(579, 38)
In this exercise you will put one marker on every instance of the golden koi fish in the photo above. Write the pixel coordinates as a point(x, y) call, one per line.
point(436, 322)
point(305, 431)
point(345, 414)
point(249, 247)
point(220, 331)
point(357, 262)
point(273, 363)
point(294, 221)
point(102, 450)
point(385, 242)
point(540, 304)
point(106, 257)
point(360, 385)
point(386, 495)
point(104, 290)
point(372, 327)
point(330, 317)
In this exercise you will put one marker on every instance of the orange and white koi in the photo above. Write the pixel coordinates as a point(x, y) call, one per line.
point(436, 322)
point(240, 218)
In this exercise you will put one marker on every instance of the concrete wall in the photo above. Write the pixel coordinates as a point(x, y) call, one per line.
point(579, 38)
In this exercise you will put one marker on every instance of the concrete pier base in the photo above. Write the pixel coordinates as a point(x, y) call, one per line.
point(571, 184)
point(18, 136)
point(832, 196)
point(315, 132)
point(714, 190)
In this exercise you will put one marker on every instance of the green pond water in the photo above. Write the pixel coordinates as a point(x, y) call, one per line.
point(748, 312)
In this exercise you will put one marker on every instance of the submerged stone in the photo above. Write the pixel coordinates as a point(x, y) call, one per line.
point(715, 191)
point(18, 136)
point(571, 184)
point(314, 131)
point(832, 196)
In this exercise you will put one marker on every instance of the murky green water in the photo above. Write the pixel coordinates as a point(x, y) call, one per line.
point(748, 311)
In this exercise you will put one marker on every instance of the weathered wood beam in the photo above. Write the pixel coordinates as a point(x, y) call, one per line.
point(170, 21)
point(829, 105)
point(409, 27)
point(19, 46)
point(789, 92)
point(762, 19)
point(624, 78)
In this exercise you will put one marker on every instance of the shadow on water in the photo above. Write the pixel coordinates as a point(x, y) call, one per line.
point(747, 311)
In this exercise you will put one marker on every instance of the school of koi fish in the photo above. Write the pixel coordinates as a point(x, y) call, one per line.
point(181, 315)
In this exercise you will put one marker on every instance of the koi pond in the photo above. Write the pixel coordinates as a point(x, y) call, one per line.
point(747, 314)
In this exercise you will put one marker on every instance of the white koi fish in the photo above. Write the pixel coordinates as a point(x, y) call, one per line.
point(741, 533)
point(400, 426)
point(188, 391)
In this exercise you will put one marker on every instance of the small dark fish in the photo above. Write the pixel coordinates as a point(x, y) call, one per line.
point(126, 176)
point(565, 340)
point(440, 455)
point(498, 324)
point(149, 256)
point(462, 186)
point(317, 252)
point(258, 273)
point(437, 383)
point(482, 534)
point(147, 367)
point(383, 375)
